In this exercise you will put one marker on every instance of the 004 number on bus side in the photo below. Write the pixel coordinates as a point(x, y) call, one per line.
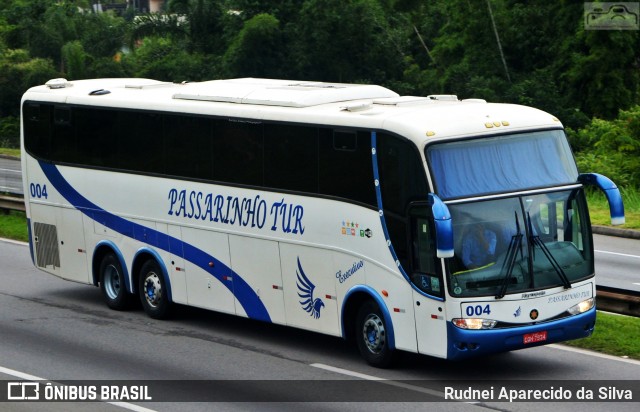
point(38, 191)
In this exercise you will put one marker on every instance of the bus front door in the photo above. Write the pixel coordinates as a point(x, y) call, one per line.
point(428, 284)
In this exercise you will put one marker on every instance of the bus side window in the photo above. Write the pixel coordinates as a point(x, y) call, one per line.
point(63, 142)
point(187, 142)
point(344, 163)
point(402, 180)
point(37, 129)
point(423, 250)
point(291, 157)
point(238, 152)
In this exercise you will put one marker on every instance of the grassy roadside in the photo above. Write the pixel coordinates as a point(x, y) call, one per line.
point(14, 226)
point(614, 335)
point(9, 152)
point(599, 208)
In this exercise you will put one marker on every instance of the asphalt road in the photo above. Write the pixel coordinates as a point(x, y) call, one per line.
point(58, 330)
point(10, 176)
point(617, 262)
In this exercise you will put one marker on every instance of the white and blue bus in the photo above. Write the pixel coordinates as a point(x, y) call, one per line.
point(342, 209)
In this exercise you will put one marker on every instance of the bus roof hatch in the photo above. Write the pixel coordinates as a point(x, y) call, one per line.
point(284, 93)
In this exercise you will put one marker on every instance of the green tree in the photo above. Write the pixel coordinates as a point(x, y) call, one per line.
point(257, 50)
point(205, 24)
point(346, 41)
point(159, 24)
point(10, 132)
point(74, 60)
point(286, 11)
point(102, 35)
point(44, 27)
point(611, 147)
point(18, 72)
point(160, 58)
point(604, 75)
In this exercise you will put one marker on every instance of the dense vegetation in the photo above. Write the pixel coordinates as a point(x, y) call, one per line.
point(536, 53)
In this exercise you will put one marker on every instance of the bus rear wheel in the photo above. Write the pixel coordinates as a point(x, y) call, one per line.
point(371, 336)
point(153, 291)
point(112, 283)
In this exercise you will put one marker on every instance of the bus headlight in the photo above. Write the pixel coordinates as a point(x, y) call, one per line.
point(581, 307)
point(474, 323)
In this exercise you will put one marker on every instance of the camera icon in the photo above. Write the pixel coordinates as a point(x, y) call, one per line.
point(612, 16)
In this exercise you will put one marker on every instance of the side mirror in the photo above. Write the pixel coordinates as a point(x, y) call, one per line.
point(444, 227)
point(611, 191)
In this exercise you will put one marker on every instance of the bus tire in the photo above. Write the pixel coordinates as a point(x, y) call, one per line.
point(112, 283)
point(371, 336)
point(153, 291)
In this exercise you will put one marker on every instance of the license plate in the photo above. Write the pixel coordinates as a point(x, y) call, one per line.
point(535, 337)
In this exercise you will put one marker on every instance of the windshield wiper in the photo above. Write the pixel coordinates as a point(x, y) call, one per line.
point(510, 259)
point(535, 240)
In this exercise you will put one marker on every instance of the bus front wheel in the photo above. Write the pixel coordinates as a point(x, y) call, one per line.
point(372, 336)
point(112, 283)
point(153, 291)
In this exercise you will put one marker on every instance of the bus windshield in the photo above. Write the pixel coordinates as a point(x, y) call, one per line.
point(519, 244)
point(501, 164)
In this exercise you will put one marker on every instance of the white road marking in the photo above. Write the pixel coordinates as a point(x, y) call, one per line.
point(14, 242)
point(617, 254)
point(26, 376)
point(19, 375)
point(347, 372)
point(592, 353)
point(441, 394)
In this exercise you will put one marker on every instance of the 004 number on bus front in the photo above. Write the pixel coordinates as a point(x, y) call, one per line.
point(478, 310)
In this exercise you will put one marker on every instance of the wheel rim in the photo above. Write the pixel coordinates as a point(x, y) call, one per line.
point(112, 283)
point(152, 289)
point(373, 332)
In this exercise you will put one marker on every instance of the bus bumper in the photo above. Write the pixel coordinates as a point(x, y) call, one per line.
point(464, 343)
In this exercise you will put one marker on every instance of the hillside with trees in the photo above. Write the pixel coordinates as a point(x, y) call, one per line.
point(536, 53)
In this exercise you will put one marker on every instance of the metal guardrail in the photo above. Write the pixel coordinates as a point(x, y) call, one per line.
point(9, 202)
point(624, 302)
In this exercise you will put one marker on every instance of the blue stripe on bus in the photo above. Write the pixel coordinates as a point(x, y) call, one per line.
point(30, 240)
point(247, 297)
point(376, 177)
point(467, 343)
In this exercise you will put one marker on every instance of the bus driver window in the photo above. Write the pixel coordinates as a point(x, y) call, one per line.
point(478, 246)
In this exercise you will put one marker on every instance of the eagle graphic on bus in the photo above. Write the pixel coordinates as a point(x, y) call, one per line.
point(305, 291)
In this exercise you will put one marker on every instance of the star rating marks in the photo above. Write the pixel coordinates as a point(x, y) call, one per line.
point(352, 228)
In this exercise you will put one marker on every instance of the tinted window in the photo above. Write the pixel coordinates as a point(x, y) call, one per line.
point(291, 157)
point(238, 152)
point(63, 142)
point(37, 130)
point(188, 146)
point(279, 156)
point(345, 165)
point(402, 177)
point(140, 141)
point(95, 132)
point(402, 181)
